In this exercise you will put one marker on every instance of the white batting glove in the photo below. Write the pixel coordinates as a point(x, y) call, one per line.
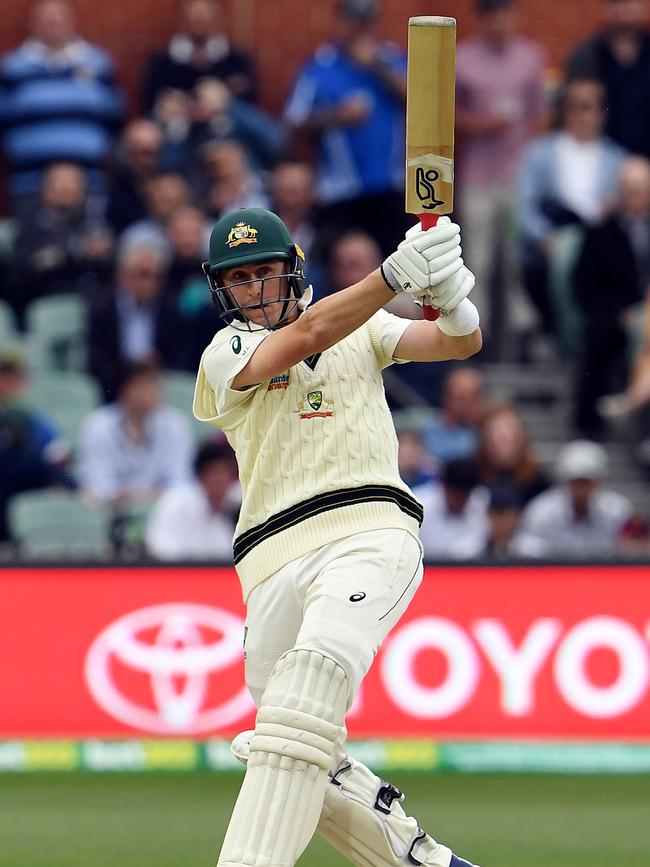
point(424, 258)
point(449, 294)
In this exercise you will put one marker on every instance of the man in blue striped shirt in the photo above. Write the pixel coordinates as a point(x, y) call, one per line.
point(58, 100)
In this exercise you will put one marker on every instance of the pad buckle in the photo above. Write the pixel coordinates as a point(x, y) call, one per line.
point(385, 797)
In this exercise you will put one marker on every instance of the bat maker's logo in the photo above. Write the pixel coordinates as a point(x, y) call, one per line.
point(426, 193)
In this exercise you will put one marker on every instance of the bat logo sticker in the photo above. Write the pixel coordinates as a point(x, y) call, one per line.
point(424, 181)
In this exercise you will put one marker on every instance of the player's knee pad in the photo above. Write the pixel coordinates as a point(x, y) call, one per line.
point(363, 818)
point(303, 709)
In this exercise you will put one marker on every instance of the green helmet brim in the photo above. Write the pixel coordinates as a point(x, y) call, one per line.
point(246, 257)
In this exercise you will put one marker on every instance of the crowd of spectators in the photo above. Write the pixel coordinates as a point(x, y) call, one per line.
point(111, 205)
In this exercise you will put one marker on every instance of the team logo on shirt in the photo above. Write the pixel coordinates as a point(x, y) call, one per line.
point(235, 343)
point(241, 233)
point(316, 405)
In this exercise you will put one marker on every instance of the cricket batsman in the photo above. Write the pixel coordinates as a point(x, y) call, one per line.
point(326, 546)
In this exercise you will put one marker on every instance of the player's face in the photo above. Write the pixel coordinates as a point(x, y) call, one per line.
point(260, 288)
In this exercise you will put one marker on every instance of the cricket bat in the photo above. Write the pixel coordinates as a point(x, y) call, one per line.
point(430, 121)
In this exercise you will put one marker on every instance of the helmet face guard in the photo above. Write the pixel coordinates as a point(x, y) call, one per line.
point(235, 314)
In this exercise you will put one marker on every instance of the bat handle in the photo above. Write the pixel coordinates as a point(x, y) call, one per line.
point(428, 221)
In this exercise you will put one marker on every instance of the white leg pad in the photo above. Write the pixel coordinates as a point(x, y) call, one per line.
point(363, 818)
point(281, 798)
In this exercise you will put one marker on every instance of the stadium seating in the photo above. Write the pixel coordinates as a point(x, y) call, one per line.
point(179, 392)
point(56, 327)
point(66, 398)
point(58, 524)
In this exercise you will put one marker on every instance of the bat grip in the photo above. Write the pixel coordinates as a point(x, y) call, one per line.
point(428, 221)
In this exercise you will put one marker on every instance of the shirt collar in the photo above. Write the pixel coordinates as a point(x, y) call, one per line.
point(181, 48)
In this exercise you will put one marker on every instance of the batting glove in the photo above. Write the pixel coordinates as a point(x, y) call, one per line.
point(424, 259)
point(448, 294)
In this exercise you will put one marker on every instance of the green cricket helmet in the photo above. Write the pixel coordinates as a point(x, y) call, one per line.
point(247, 236)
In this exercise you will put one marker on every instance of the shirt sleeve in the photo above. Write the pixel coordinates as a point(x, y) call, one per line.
point(303, 99)
point(386, 331)
point(214, 399)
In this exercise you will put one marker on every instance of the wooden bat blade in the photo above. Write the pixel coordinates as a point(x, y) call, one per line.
point(430, 115)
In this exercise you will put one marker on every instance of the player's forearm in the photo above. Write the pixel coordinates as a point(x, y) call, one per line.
point(338, 315)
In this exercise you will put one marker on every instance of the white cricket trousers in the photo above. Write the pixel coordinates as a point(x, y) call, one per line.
point(342, 599)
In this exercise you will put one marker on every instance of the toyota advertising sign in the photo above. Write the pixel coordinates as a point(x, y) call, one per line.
point(483, 652)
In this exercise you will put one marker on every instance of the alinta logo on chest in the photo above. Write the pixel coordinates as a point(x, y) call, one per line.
point(279, 382)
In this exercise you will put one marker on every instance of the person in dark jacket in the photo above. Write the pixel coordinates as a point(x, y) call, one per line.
point(619, 57)
point(136, 321)
point(612, 274)
point(199, 50)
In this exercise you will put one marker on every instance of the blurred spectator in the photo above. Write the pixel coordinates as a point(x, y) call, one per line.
point(455, 525)
point(226, 181)
point(199, 50)
point(416, 467)
point(292, 193)
point(612, 275)
point(59, 100)
point(131, 450)
point(217, 116)
point(634, 537)
point(32, 454)
point(505, 455)
point(504, 511)
point(188, 237)
point(60, 246)
point(500, 103)
point(165, 193)
point(195, 521)
point(569, 177)
point(135, 321)
point(455, 432)
point(351, 96)
point(351, 257)
point(578, 518)
point(137, 162)
point(619, 57)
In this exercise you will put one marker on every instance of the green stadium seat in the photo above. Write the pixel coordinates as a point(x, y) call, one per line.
point(57, 332)
point(58, 524)
point(66, 398)
point(178, 387)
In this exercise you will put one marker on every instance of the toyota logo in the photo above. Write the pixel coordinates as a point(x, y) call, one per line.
point(162, 669)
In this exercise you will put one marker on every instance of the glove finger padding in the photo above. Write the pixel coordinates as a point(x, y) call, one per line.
point(443, 267)
point(451, 246)
point(423, 240)
point(418, 230)
point(450, 292)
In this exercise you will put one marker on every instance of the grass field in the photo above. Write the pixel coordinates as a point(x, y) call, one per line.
point(177, 820)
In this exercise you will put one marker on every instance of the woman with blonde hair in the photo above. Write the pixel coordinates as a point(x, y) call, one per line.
point(505, 454)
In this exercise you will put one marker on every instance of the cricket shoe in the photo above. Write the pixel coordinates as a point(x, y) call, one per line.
point(460, 862)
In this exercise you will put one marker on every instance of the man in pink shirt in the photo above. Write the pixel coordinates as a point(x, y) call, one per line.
point(500, 101)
